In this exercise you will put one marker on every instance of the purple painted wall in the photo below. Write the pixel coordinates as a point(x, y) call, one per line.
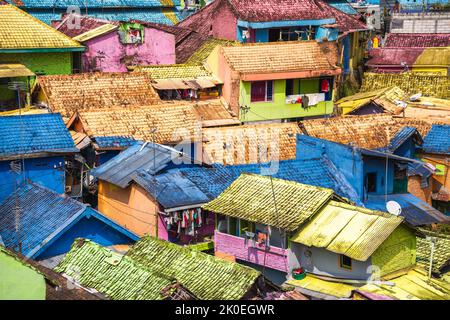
point(107, 54)
point(276, 258)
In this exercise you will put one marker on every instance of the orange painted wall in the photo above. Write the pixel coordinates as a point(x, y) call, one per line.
point(130, 207)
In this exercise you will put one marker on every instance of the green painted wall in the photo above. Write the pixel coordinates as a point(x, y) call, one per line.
point(397, 252)
point(278, 109)
point(18, 281)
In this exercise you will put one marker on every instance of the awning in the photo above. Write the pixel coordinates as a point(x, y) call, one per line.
point(14, 70)
point(180, 84)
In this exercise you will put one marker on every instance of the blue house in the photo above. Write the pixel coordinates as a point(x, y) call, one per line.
point(158, 11)
point(33, 148)
point(377, 176)
point(40, 223)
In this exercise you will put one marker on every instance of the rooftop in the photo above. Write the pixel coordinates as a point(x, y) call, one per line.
point(437, 140)
point(207, 277)
point(34, 134)
point(385, 57)
point(280, 57)
point(30, 33)
point(345, 229)
point(85, 91)
point(441, 254)
point(164, 124)
point(202, 51)
point(417, 40)
point(250, 143)
point(288, 205)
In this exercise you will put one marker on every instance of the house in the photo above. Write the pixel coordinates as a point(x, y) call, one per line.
point(430, 85)
point(25, 279)
point(115, 129)
point(68, 94)
point(152, 265)
point(278, 226)
point(112, 46)
point(416, 40)
point(378, 168)
point(30, 48)
point(435, 150)
point(34, 148)
point(48, 223)
point(186, 82)
point(419, 23)
point(279, 81)
point(273, 21)
point(396, 60)
point(156, 11)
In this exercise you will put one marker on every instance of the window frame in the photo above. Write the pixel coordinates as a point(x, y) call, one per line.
point(342, 265)
point(266, 84)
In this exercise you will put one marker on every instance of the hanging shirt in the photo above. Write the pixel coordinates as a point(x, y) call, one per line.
point(324, 85)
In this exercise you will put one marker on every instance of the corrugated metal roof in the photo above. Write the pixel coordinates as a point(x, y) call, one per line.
point(401, 136)
point(14, 70)
point(437, 140)
point(35, 133)
point(140, 156)
point(311, 284)
point(250, 197)
point(206, 276)
point(106, 28)
point(415, 211)
point(353, 231)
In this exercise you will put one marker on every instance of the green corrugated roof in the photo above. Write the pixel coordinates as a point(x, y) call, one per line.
point(441, 255)
point(250, 198)
point(116, 276)
point(206, 276)
point(205, 50)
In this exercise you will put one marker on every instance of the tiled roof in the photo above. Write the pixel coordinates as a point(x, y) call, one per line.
point(206, 276)
point(213, 113)
point(63, 4)
point(202, 52)
point(250, 143)
point(383, 57)
point(417, 40)
point(85, 24)
point(288, 205)
point(19, 30)
point(165, 124)
point(431, 85)
point(437, 140)
point(149, 157)
point(277, 57)
point(441, 253)
point(345, 229)
point(36, 133)
point(116, 276)
point(368, 131)
point(415, 211)
point(85, 91)
point(316, 172)
point(176, 71)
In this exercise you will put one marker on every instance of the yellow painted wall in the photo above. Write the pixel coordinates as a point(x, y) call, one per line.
point(397, 252)
point(132, 208)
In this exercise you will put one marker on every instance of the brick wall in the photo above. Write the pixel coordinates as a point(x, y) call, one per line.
point(415, 189)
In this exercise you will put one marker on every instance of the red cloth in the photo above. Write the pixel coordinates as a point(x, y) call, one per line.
point(324, 85)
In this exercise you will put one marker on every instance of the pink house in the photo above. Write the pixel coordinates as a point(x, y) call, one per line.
point(112, 46)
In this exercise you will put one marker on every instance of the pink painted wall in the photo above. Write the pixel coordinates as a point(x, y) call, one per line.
point(276, 258)
point(207, 230)
point(107, 54)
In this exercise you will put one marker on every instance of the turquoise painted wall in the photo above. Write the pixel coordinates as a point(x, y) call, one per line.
point(19, 281)
point(278, 109)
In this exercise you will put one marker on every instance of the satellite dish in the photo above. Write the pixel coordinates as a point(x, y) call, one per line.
point(394, 208)
point(415, 97)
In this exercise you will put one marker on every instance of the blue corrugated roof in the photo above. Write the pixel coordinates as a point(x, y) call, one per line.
point(317, 172)
point(415, 211)
point(44, 215)
point(400, 138)
point(171, 189)
point(437, 140)
point(63, 4)
point(151, 158)
point(342, 5)
point(37, 133)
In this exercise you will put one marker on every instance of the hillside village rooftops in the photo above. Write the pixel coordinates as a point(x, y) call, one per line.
point(85, 91)
point(349, 230)
point(417, 40)
point(33, 135)
point(21, 32)
point(286, 58)
point(250, 198)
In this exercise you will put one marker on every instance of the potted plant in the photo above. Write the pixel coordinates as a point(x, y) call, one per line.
point(298, 273)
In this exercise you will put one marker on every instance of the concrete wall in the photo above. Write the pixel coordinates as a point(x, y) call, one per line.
point(18, 281)
point(275, 258)
point(48, 172)
point(130, 207)
point(107, 54)
point(420, 23)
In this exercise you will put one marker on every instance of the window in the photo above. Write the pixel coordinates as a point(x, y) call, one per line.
point(261, 91)
point(131, 33)
point(246, 226)
point(226, 224)
point(371, 182)
point(345, 262)
point(289, 87)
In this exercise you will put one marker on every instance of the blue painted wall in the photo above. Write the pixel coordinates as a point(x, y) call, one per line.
point(378, 166)
point(347, 47)
point(407, 149)
point(89, 228)
point(105, 156)
point(48, 172)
